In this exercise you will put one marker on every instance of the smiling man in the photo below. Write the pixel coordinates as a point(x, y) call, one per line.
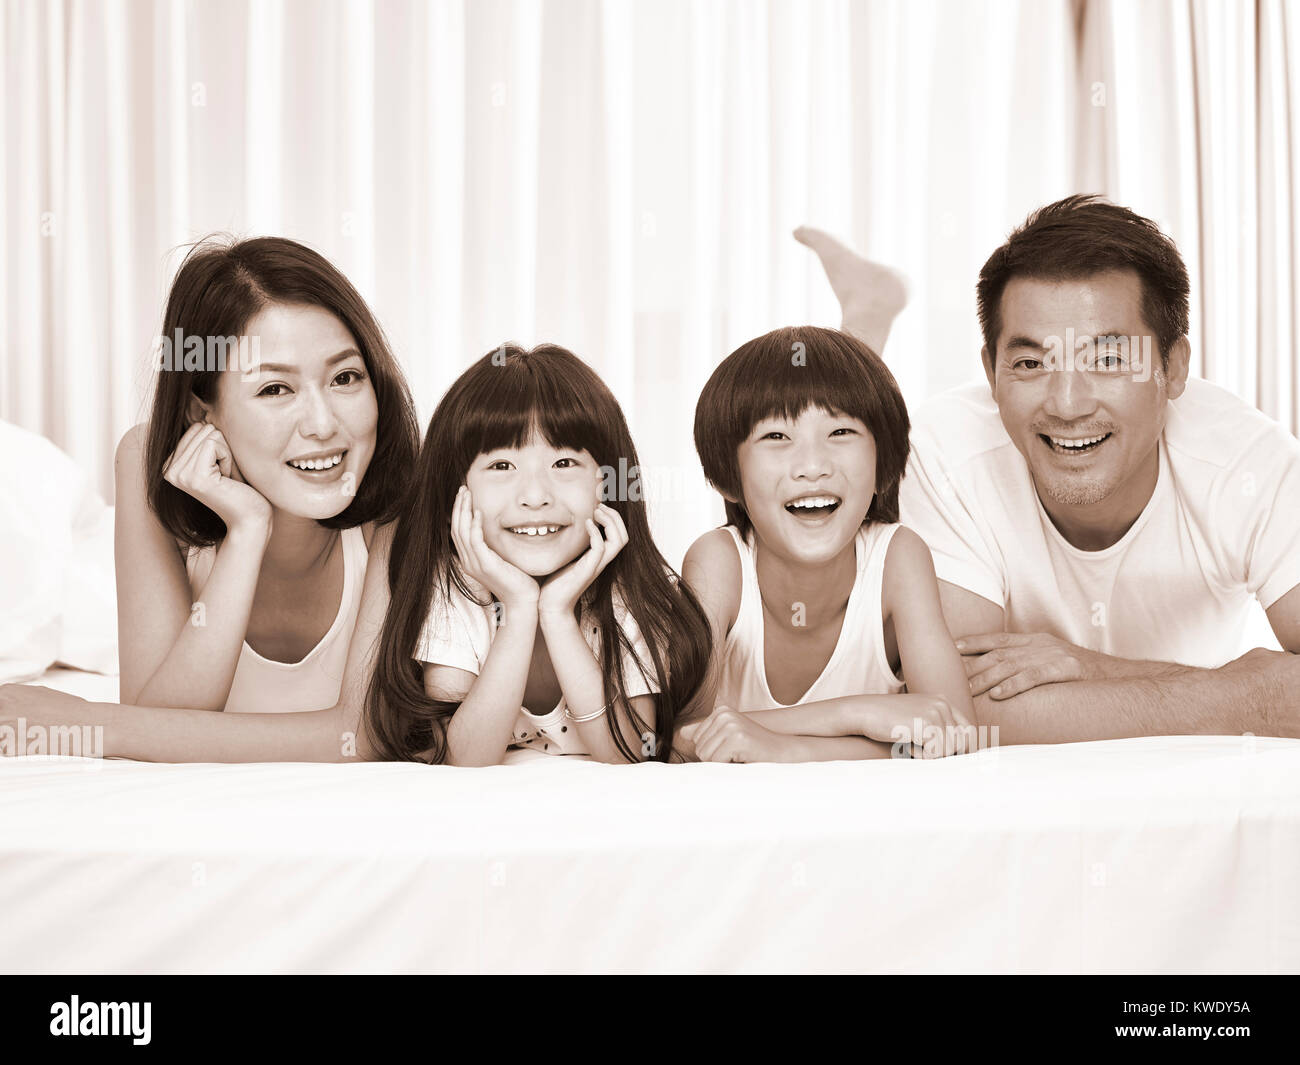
point(1100, 523)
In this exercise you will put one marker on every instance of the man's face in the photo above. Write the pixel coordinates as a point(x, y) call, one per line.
point(1086, 410)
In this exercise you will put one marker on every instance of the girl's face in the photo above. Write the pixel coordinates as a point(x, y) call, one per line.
point(535, 501)
point(301, 425)
point(807, 483)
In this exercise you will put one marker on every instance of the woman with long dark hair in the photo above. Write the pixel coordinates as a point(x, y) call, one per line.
point(282, 431)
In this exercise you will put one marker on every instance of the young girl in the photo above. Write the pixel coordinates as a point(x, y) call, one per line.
point(823, 608)
point(524, 610)
point(282, 431)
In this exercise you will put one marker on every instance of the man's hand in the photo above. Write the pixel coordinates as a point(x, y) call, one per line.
point(1004, 664)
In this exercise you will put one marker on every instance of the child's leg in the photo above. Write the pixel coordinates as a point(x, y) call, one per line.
point(870, 294)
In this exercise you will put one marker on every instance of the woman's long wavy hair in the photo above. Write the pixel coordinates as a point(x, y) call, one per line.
point(499, 402)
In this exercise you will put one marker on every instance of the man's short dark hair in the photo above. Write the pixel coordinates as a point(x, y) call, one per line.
point(1084, 235)
point(783, 373)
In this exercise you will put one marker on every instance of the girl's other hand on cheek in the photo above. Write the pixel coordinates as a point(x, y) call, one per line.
point(511, 585)
point(564, 588)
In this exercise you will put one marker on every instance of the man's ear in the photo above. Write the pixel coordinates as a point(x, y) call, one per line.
point(1180, 357)
point(987, 359)
point(199, 411)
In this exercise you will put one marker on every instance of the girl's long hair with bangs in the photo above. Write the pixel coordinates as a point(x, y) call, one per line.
point(499, 402)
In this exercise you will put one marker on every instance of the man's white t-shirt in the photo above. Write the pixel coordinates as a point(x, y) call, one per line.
point(1221, 529)
point(459, 633)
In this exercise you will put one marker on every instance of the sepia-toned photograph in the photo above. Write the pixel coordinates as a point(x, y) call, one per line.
point(650, 487)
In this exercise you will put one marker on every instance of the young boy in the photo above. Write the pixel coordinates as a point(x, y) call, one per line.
point(829, 641)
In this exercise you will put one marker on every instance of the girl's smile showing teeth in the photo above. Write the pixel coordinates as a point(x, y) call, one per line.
point(319, 463)
point(535, 530)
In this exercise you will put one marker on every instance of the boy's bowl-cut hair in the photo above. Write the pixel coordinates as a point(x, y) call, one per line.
point(783, 373)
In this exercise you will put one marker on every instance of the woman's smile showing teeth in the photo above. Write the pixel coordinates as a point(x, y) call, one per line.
point(321, 462)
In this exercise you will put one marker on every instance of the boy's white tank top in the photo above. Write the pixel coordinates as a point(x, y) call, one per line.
point(857, 666)
point(264, 686)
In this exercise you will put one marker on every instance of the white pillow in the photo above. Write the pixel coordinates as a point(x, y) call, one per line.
point(57, 596)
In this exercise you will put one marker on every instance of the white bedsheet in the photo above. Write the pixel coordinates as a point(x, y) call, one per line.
point(1167, 854)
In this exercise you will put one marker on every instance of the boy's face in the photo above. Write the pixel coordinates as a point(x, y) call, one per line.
point(807, 483)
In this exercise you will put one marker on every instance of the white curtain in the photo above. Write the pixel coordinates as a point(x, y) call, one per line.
point(1195, 123)
point(619, 177)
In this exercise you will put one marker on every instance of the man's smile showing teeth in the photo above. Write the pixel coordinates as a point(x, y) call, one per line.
point(1064, 445)
point(317, 463)
point(813, 506)
point(535, 530)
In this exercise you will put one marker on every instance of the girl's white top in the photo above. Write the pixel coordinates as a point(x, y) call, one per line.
point(857, 666)
point(459, 632)
point(264, 686)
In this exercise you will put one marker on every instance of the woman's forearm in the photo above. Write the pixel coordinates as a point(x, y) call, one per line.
point(200, 667)
point(174, 734)
point(153, 734)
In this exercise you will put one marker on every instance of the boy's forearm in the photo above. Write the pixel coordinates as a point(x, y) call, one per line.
point(826, 717)
point(1258, 693)
point(835, 748)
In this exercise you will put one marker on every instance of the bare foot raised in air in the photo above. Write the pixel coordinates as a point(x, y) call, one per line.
point(870, 294)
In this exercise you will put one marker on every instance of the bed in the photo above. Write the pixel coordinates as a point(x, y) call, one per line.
point(1174, 854)
point(1171, 854)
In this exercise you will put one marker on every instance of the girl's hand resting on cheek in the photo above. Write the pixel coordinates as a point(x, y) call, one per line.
point(202, 466)
point(509, 584)
point(563, 589)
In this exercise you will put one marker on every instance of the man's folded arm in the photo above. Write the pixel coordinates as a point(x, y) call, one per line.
point(1258, 693)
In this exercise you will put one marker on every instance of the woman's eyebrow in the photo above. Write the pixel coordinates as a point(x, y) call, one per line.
point(280, 367)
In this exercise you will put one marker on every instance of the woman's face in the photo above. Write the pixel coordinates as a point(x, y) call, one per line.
point(301, 421)
point(535, 501)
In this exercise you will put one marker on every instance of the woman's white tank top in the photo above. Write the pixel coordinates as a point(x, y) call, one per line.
point(857, 666)
point(264, 686)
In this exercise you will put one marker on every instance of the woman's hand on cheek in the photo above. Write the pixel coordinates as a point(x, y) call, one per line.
point(511, 585)
point(202, 466)
point(564, 588)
